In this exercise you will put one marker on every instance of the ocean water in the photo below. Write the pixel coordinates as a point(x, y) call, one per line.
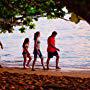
point(73, 40)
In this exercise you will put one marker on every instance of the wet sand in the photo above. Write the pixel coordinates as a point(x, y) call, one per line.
point(83, 73)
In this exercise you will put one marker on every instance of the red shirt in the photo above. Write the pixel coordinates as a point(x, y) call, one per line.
point(51, 41)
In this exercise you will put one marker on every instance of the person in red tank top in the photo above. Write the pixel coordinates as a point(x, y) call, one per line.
point(52, 50)
point(51, 43)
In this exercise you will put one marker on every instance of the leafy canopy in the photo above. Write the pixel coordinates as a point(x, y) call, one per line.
point(23, 12)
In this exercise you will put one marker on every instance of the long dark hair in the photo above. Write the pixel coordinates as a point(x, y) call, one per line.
point(36, 35)
point(25, 42)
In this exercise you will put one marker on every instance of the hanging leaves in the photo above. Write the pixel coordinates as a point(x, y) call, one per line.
point(30, 10)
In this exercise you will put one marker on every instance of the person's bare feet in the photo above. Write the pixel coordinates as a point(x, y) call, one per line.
point(26, 66)
point(33, 69)
point(1, 66)
point(47, 68)
point(44, 68)
point(58, 68)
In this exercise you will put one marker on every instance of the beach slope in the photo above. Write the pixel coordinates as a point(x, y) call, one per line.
point(25, 79)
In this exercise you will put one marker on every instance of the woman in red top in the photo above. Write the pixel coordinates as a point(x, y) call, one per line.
point(26, 53)
point(52, 50)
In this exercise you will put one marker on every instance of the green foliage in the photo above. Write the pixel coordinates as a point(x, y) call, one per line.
point(30, 10)
point(22, 29)
point(23, 12)
point(32, 26)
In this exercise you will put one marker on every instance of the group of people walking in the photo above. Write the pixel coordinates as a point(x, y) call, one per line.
point(51, 51)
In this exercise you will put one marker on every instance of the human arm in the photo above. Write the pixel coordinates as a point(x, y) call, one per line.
point(54, 46)
point(1, 45)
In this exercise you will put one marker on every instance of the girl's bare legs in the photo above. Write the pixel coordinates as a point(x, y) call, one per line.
point(28, 60)
point(34, 64)
point(24, 62)
point(42, 63)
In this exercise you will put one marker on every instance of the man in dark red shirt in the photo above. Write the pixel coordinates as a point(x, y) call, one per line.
point(52, 50)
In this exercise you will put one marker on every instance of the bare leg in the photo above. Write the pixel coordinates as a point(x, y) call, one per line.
point(42, 63)
point(0, 66)
point(33, 64)
point(48, 63)
point(24, 62)
point(57, 61)
point(29, 60)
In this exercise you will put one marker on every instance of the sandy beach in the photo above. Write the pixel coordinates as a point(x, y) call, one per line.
point(82, 73)
point(61, 79)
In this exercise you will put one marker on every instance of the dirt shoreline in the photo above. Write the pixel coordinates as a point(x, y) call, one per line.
point(59, 72)
point(25, 79)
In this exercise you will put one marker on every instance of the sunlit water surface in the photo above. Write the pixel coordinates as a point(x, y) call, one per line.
point(72, 40)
